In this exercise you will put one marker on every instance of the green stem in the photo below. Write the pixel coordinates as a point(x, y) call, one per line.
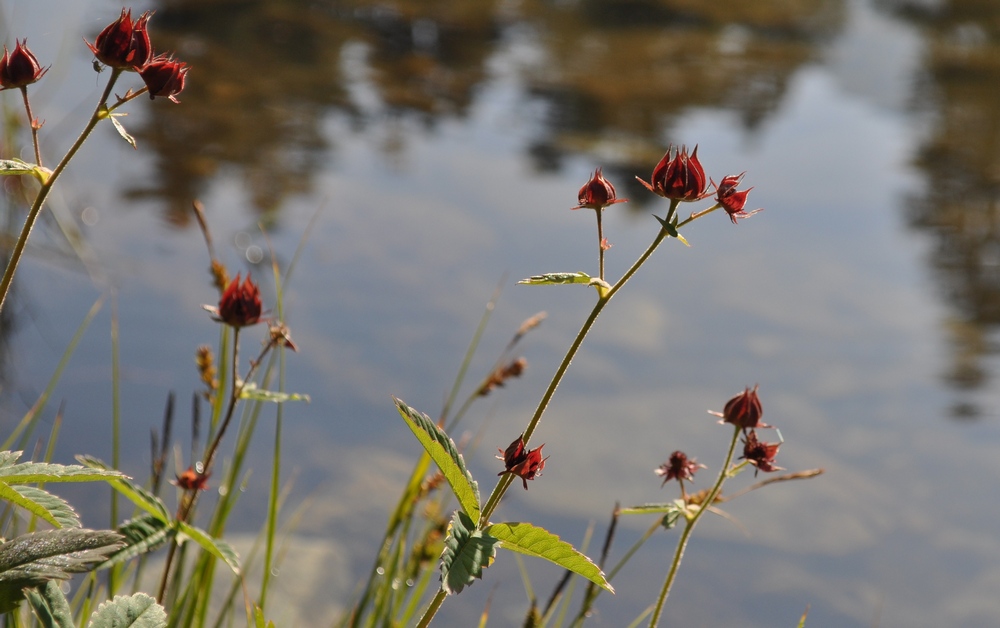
point(43, 192)
point(689, 528)
point(433, 608)
point(506, 480)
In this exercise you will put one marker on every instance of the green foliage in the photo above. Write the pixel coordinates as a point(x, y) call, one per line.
point(136, 611)
point(671, 228)
point(671, 511)
point(121, 129)
point(443, 451)
point(15, 167)
point(556, 278)
point(137, 494)
point(527, 539)
point(50, 606)
point(251, 391)
point(42, 504)
point(259, 621)
point(467, 551)
point(216, 547)
point(142, 535)
point(33, 559)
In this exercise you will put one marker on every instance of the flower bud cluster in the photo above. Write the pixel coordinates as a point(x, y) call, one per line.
point(124, 45)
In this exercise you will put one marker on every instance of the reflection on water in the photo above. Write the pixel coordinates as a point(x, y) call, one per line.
point(960, 161)
point(611, 78)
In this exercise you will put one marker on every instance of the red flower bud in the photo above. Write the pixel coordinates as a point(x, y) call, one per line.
point(192, 479)
point(240, 304)
point(760, 455)
point(524, 464)
point(679, 176)
point(679, 467)
point(744, 410)
point(731, 199)
point(597, 193)
point(124, 43)
point(19, 68)
point(164, 77)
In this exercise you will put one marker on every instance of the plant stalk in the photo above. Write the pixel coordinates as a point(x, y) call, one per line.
point(689, 528)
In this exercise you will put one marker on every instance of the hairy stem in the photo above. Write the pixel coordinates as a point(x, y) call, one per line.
point(36, 207)
point(689, 528)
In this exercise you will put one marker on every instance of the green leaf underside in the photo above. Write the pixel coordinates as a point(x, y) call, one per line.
point(41, 503)
point(250, 391)
point(135, 493)
point(556, 278)
point(15, 167)
point(121, 130)
point(443, 452)
point(216, 547)
point(50, 606)
point(525, 538)
point(136, 611)
point(651, 509)
point(142, 535)
point(467, 551)
point(54, 554)
point(33, 472)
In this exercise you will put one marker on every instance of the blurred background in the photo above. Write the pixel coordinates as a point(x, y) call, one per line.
point(441, 145)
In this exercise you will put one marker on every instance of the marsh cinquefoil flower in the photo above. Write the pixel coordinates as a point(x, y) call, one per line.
point(679, 176)
point(20, 67)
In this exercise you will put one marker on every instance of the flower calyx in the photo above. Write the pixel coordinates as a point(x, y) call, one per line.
point(526, 464)
point(19, 67)
point(679, 176)
point(597, 193)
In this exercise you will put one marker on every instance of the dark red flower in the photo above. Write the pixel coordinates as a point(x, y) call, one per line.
point(679, 176)
point(20, 67)
point(678, 467)
point(192, 479)
point(731, 199)
point(744, 410)
point(597, 193)
point(524, 464)
point(124, 43)
point(164, 77)
point(760, 455)
point(240, 304)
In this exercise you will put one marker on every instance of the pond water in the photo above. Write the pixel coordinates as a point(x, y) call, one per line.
point(440, 146)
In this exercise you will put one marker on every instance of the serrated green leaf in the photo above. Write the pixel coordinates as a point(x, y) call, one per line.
point(467, 551)
point(251, 391)
point(556, 278)
point(44, 504)
point(34, 472)
point(135, 493)
point(653, 509)
point(142, 535)
point(216, 547)
point(442, 451)
point(54, 554)
point(534, 541)
point(135, 611)
point(50, 606)
point(7, 458)
point(15, 167)
point(121, 130)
